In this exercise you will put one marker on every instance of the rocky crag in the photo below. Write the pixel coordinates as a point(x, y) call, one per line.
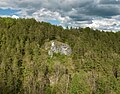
point(59, 47)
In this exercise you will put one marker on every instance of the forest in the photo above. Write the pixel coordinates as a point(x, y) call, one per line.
point(26, 68)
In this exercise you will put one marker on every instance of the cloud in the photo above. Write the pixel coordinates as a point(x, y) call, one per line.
point(15, 16)
point(105, 24)
point(93, 13)
point(110, 2)
point(45, 14)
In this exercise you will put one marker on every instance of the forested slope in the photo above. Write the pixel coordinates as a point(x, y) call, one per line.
point(26, 68)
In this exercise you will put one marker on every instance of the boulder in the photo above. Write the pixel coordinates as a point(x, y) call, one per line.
point(58, 47)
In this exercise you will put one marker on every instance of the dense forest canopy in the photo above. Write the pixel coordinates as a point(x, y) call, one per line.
point(26, 68)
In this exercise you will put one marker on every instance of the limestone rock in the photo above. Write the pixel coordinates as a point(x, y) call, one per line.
point(58, 47)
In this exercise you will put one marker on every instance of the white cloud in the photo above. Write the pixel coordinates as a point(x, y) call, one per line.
point(15, 16)
point(105, 24)
point(5, 16)
point(45, 14)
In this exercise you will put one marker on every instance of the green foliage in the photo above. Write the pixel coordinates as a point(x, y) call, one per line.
point(26, 68)
point(79, 84)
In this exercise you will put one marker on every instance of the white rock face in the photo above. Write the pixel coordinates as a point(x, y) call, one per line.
point(61, 48)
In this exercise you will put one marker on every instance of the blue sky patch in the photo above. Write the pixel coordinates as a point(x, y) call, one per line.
point(8, 11)
point(54, 22)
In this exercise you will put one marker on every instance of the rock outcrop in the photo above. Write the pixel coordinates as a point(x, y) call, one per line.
point(58, 47)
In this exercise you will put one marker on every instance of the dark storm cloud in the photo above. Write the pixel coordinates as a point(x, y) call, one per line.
point(109, 2)
point(101, 10)
point(80, 18)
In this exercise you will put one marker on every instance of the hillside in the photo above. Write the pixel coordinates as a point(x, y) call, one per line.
point(26, 68)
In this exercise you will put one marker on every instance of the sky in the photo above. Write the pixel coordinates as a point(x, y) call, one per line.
point(96, 14)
